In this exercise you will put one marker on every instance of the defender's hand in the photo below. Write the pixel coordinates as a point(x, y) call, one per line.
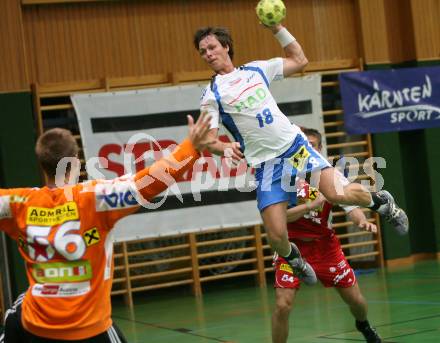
point(317, 203)
point(233, 151)
point(367, 226)
point(198, 132)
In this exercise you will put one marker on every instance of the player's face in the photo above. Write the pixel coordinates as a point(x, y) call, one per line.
point(314, 143)
point(213, 53)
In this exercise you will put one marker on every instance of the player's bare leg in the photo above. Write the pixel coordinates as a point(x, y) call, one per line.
point(353, 297)
point(332, 187)
point(274, 219)
point(280, 315)
point(336, 190)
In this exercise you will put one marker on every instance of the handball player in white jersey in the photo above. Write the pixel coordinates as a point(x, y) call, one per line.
point(240, 98)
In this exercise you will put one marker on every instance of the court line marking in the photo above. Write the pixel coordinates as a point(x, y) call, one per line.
point(406, 302)
point(384, 325)
point(351, 339)
point(178, 330)
point(384, 341)
point(414, 333)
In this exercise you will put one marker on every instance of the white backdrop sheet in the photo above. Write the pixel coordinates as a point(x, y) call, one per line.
point(151, 121)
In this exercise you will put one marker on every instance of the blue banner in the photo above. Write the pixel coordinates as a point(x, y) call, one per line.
point(391, 100)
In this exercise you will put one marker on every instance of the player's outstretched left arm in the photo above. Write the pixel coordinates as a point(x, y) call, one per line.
point(160, 175)
point(295, 59)
point(198, 133)
point(359, 219)
point(151, 181)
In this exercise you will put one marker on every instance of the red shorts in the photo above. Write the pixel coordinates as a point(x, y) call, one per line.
point(327, 259)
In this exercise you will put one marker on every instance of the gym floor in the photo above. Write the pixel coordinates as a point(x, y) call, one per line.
point(404, 306)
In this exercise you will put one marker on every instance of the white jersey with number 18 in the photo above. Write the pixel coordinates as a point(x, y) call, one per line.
point(247, 109)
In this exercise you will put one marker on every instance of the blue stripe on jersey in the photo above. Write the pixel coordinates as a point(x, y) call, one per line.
point(227, 120)
point(257, 69)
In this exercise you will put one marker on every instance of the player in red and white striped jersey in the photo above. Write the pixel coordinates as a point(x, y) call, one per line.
point(309, 227)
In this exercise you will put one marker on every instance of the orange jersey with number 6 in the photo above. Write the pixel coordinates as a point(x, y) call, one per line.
point(65, 236)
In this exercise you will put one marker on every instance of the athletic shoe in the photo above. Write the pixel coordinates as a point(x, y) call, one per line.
point(370, 334)
point(393, 213)
point(301, 268)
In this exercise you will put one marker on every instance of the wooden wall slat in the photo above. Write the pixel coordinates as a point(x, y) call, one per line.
point(81, 66)
point(334, 39)
point(399, 28)
point(45, 2)
point(75, 40)
point(426, 16)
point(394, 31)
point(83, 41)
point(373, 26)
point(13, 72)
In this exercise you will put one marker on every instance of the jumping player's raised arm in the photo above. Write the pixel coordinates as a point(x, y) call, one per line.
point(295, 59)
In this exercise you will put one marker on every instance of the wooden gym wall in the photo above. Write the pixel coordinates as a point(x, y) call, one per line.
point(71, 40)
point(394, 31)
point(84, 41)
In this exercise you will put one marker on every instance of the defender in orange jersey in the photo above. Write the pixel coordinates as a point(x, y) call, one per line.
point(65, 237)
